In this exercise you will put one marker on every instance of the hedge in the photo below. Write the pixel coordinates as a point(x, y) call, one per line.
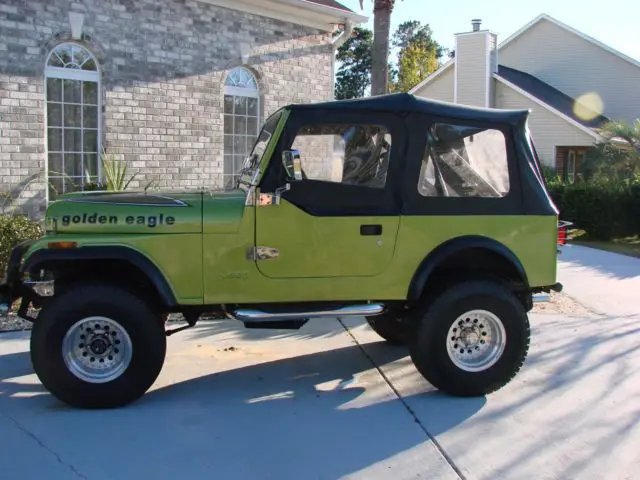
point(14, 229)
point(602, 210)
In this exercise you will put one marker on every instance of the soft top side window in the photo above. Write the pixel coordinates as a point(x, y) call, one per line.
point(349, 154)
point(464, 161)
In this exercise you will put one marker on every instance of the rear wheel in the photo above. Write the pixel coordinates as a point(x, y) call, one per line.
point(472, 339)
point(97, 346)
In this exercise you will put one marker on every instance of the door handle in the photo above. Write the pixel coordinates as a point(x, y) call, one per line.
point(370, 229)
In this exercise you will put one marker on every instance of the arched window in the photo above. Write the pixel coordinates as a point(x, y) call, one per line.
point(73, 119)
point(241, 113)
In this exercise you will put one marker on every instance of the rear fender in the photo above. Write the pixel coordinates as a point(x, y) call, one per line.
point(459, 246)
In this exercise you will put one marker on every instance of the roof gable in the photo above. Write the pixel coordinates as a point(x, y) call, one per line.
point(553, 97)
point(525, 29)
point(564, 26)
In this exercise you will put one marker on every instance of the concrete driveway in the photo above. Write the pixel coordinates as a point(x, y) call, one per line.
point(333, 401)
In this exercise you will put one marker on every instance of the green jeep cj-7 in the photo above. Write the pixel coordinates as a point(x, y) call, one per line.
point(431, 220)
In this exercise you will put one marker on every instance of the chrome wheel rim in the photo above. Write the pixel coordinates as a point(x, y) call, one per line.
point(476, 340)
point(97, 349)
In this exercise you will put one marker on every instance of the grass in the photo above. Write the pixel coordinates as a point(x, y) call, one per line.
point(626, 246)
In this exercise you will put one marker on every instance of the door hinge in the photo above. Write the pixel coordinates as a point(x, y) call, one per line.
point(262, 253)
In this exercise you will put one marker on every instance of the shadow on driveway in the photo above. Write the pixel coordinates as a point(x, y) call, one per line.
point(320, 415)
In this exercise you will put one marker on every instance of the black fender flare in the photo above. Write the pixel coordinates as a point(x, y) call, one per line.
point(39, 258)
point(453, 246)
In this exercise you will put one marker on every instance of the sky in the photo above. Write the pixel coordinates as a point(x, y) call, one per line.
point(617, 26)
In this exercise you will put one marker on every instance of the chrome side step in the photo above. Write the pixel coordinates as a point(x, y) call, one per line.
point(249, 315)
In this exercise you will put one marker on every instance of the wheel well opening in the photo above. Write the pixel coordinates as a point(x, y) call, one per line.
point(119, 272)
point(473, 263)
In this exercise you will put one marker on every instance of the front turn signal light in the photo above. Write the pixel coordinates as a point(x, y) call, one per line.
point(62, 245)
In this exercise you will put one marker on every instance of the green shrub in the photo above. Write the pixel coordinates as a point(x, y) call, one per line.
point(13, 230)
point(604, 210)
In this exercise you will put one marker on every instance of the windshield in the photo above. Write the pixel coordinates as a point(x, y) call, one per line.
point(259, 147)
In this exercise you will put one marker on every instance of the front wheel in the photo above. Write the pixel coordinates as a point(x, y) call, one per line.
point(472, 340)
point(97, 346)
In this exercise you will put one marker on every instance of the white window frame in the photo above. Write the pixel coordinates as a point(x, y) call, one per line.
point(240, 92)
point(571, 166)
point(72, 74)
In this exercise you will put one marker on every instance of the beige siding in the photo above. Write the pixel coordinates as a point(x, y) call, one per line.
point(440, 88)
point(471, 64)
point(548, 130)
point(576, 66)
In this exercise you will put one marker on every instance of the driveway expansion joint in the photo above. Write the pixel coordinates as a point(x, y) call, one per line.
point(435, 442)
point(31, 435)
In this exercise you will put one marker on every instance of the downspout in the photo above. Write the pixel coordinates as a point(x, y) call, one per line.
point(344, 36)
point(337, 43)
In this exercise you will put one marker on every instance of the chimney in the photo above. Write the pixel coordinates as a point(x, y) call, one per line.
point(476, 61)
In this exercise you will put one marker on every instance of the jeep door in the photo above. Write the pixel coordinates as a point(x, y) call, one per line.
point(341, 218)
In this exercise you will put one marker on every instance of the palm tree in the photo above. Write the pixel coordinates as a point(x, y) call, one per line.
point(379, 56)
point(627, 135)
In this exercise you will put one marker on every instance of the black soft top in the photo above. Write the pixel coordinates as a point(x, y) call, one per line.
point(408, 103)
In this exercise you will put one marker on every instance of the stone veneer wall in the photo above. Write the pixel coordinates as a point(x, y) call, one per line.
point(163, 65)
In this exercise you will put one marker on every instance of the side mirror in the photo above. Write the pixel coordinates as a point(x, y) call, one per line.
point(292, 164)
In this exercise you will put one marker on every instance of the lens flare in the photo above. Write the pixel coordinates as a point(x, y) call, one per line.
point(588, 106)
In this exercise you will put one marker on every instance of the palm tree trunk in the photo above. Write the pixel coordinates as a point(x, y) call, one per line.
point(380, 54)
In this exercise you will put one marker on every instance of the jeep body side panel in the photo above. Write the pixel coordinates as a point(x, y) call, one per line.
point(324, 246)
point(523, 240)
point(232, 278)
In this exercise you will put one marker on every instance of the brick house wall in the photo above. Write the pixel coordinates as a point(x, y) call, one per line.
point(162, 69)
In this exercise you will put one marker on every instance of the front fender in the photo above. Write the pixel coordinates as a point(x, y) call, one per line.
point(41, 258)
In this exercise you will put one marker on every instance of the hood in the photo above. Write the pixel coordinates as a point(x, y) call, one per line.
point(127, 212)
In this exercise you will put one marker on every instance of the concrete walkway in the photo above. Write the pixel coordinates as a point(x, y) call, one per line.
point(314, 404)
point(230, 404)
point(607, 283)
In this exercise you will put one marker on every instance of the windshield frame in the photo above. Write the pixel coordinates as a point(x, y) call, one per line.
point(254, 163)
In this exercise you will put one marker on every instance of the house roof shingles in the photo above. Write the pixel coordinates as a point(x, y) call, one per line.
point(548, 94)
point(332, 4)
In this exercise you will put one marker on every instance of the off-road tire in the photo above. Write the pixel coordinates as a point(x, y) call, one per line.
point(147, 336)
point(389, 326)
point(428, 345)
